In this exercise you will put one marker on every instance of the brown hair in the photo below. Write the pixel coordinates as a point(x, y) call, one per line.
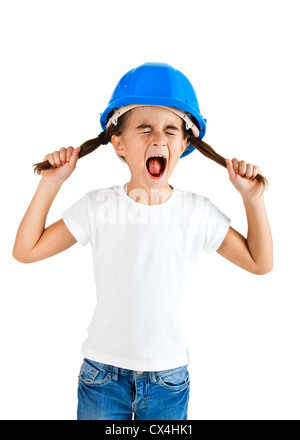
point(105, 137)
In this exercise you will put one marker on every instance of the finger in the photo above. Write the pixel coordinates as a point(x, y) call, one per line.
point(230, 168)
point(69, 153)
point(256, 170)
point(57, 160)
point(63, 153)
point(242, 168)
point(50, 159)
point(45, 158)
point(235, 164)
point(74, 157)
point(249, 171)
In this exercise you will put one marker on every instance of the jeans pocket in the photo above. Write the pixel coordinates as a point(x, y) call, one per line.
point(91, 373)
point(176, 380)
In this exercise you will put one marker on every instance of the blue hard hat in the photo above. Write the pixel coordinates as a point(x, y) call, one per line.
point(156, 84)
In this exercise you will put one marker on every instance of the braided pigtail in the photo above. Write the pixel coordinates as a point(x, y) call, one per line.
point(209, 152)
point(86, 148)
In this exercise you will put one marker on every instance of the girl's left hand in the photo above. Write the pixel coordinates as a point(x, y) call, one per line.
point(242, 176)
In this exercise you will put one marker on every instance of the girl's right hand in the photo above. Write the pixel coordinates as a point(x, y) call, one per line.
point(63, 164)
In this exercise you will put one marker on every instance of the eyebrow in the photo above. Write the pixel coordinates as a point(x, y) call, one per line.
point(172, 127)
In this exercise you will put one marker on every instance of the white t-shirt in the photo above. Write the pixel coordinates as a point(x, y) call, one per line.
point(142, 257)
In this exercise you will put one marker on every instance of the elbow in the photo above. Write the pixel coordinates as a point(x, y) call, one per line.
point(21, 259)
point(263, 270)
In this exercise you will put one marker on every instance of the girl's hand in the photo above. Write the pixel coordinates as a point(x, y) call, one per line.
point(63, 164)
point(242, 176)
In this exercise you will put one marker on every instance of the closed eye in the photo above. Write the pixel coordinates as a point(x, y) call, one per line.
point(147, 132)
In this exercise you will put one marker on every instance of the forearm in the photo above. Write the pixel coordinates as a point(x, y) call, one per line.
point(259, 237)
point(33, 223)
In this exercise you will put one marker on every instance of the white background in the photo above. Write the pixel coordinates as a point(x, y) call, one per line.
point(60, 63)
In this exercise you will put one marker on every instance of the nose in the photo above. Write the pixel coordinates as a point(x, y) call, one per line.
point(157, 144)
point(158, 139)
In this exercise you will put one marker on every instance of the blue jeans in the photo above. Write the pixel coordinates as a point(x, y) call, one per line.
point(106, 392)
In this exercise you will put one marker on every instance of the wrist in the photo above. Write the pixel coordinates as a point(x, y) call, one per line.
point(253, 201)
point(50, 185)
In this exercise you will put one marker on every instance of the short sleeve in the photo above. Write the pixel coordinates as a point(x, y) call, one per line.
point(78, 219)
point(216, 226)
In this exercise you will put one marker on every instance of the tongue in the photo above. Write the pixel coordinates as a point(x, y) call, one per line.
point(155, 166)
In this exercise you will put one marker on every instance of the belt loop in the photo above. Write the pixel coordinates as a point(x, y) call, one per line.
point(115, 375)
point(153, 377)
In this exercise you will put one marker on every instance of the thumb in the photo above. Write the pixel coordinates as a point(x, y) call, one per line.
point(74, 157)
point(230, 169)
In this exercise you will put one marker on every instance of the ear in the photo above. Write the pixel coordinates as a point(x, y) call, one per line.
point(184, 143)
point(118, 145)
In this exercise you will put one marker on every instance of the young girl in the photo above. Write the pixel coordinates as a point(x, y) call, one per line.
point(145, 235)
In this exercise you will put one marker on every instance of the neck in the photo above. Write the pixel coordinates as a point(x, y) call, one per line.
point(148, 196)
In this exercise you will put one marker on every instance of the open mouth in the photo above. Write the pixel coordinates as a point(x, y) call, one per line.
point(156, 166)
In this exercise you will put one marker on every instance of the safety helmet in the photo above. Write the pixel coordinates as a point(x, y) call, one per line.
point(157, 84)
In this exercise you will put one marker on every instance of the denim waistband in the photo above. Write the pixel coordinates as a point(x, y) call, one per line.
point(153, 375)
